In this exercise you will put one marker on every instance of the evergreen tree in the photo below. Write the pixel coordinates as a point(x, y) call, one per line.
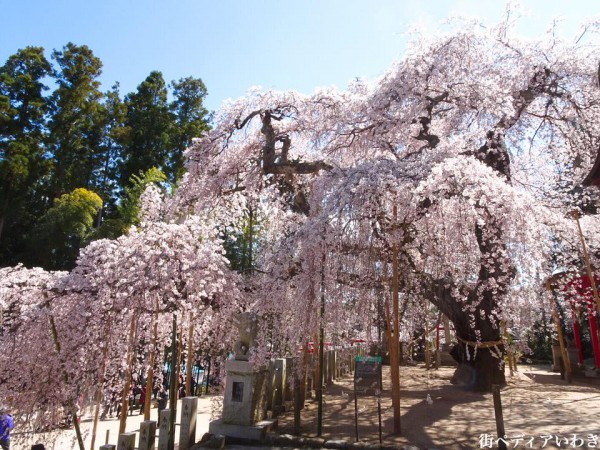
point(191, 119)
point(77, 122)
point(115, 137)
point(78, 137)
point(23, 166)
point(128, 210)
point(151, 124)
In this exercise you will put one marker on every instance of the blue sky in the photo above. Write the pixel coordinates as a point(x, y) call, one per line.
point(234, 45)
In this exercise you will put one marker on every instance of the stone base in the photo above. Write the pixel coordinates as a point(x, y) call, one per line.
point(256, 432)
point(245, 396)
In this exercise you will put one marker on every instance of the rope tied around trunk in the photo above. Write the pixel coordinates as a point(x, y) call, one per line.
point(485, 344)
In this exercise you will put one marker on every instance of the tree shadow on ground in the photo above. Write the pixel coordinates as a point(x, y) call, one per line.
point(535, 402)
point(421, 419)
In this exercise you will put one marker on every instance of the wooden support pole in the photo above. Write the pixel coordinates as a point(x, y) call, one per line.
point(100, 385)
point(297, 400)
point(127, 387)
point(426, 339)
point(395, 340)
point(173, 387)
point(188, 375)
point(509, 352)
point(499, 417)
point(561, 341)
point(150, 373)
point(321, 379)
point(356, 415)
point(57, 346)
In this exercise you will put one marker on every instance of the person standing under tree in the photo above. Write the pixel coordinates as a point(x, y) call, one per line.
point(161, 398)
point(6, 424)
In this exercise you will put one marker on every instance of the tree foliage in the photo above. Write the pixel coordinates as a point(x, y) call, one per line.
point(80, 137)
point(456, 139)
point(76, 125)
point(462, 165)
point(58, 235)
point(128, 210)
point(23, 165)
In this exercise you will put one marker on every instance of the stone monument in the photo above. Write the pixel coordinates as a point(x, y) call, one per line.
point(245, 396)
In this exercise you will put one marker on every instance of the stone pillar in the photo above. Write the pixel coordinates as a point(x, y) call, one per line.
point(270, 384)
point(187, 432)
point(245, 397)
point(163, 431)
point(108, 447)
point(126, 441)
point(147, 435)
point(279, 381)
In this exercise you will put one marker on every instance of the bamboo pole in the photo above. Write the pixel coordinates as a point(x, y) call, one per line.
point(188, 375)
point(561, 342)
point(127, 387)
point(395, 342)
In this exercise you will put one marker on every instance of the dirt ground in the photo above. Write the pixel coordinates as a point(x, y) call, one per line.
point(540, 411)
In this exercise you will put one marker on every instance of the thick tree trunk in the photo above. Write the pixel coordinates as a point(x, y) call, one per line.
point(479, 350)
point(480, 371)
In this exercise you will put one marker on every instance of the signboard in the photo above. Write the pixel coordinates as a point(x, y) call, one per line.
point(367, 375)
point(367, 380)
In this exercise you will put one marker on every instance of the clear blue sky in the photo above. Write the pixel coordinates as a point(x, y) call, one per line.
point(233, 45)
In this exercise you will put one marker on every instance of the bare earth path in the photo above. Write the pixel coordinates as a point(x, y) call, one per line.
point(66, 440)
point(537, 405)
